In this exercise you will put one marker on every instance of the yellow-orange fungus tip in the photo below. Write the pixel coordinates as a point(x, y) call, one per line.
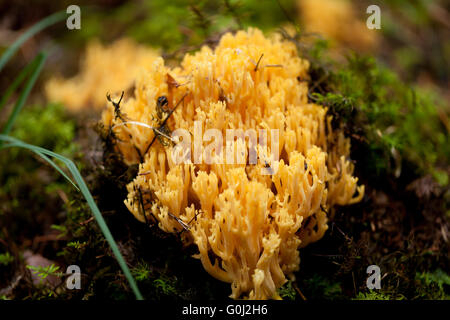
point(248, 227)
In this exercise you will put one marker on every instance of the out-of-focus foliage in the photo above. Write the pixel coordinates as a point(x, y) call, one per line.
point(45, 126)
point(170, 24)
point(398, 121)
point(417, 39)
point(6, 258)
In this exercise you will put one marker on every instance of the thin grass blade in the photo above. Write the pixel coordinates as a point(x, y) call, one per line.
point(40, 60)
point(41, 25)
point(17, 81)
point(43, 156)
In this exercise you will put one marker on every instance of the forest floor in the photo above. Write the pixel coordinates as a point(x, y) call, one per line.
point(402, 224)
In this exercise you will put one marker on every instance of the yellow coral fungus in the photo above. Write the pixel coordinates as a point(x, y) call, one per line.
point(248, 227)
point(338, 21)
point(104, 69)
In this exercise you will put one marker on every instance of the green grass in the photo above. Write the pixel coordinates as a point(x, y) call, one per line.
point(41, 25)
point(36, 67)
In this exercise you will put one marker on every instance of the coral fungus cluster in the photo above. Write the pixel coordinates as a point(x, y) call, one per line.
point(248, 227)
point(103, 69)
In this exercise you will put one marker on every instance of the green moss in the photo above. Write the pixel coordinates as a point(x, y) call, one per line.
point(30, 189)
point(44, 272)
point(166, 285)
point(44, 126)
point(433, 285)
point(141, 272)
point(372, 295)
point(318, 286)
point(287, 291)
point(426, 285)
point(47, 127)
point(77, 245)
point(400, 123)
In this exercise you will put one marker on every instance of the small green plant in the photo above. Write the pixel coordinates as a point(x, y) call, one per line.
point(142, 271)
point(77, 245)
point(6, 258)
point(166, 285)
point(61, 229)
point(44, 272)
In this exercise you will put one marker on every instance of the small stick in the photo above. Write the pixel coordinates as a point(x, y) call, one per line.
point(298, 290)
point(186, 226)
point(116, 105)
point(259, 60)
point(143, 208)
